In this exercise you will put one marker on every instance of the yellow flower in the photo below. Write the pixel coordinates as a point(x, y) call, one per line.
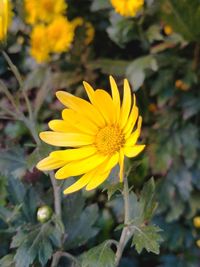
point(43, 10)
point(60, 34)
point(100, 134)
point(89, 29)
point(196, 221)
point(39, 44)
point(168, 30)
point(127, 8)
point(5, 18)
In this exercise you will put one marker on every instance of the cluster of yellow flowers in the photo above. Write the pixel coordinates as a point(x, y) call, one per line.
point(52, 32)
point(127, 8)
point(5, 18)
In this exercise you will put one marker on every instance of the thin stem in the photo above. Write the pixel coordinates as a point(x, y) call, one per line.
point(20, 81)
point(196, 56)
point(57, 196)
point(60, 254)
point(126, 232)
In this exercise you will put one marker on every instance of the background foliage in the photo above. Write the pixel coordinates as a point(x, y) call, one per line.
point(162, 66)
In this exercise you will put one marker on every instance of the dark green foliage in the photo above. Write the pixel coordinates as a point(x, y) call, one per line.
point(138, 49)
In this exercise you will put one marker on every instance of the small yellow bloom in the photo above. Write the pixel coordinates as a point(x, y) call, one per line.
point(181, 85)
point(60, 35)
point(5, 18)
point(196, 221)
point(100, 133)
point(43, 10)
point(168, 30)
point(89, 29)
point(127, 8)
point(39, 44)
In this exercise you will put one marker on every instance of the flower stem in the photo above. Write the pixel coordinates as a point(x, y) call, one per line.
point(57, 196)
point(126, 232)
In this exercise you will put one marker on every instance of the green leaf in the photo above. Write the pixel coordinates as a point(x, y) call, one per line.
point(100, 5)
point(79, 221)
point(113, 188)
point(3, 189)
point(12, 161)
point(101, 255)
point(147, 237)
point(136, 71)
point(148, 199)
point(7, 261)
point(182, 16)
point(108, 66)
point(35, 241)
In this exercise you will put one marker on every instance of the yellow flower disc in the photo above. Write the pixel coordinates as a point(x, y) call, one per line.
point(39, 45)
point(60, 34)
point(98, 133)
point(196, 221)
point(127, 8)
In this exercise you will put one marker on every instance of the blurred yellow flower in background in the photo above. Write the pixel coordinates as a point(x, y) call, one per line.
point(60, 35)
point(40, 48)
point(196, 221)
point(168, 30)
point(99, 134)
point(5, 18)
point(43, 10)
point(89, 29)
point(127, 8)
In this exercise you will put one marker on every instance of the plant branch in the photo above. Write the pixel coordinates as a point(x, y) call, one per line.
point(59, 254)
point(57, 196)
point(126, 232)
point(196, 56)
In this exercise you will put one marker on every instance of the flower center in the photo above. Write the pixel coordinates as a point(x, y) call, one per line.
point(48, 5)
point(109, 140)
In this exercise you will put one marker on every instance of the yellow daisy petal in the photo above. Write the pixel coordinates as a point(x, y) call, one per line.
point(126, 104)
point(131, 121)
point(61, 126)
point(131, 152)
point(74, 154)
point(121, 166)
point(100, 174)
point(49, 163)
point(75, 168)
point(82, 182)
point(79, 122)
point(98, 179)
point(131, 141)
point(66, 139)
point(89, 90)
point(81, 106)
point(102, 98)
point(115, 96)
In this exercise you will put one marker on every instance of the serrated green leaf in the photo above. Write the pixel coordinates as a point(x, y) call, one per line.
point(113, 188)
point(148, 199)
point(101, 255)
point(147, 237)
point(12, 161)
point(136, 70)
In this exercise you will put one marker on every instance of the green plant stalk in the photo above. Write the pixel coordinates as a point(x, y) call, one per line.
point(57, 196)
point(126, 232)
point(59, 254)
